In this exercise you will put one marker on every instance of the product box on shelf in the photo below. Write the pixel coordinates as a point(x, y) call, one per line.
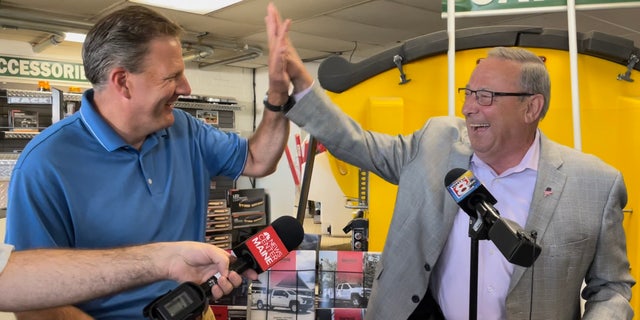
point(23, 120)
point(248, 207)
point(222, 240)
point(217, 204)
point(218, 216)
point(221, 222)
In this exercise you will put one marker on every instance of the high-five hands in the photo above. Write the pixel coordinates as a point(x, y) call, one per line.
point(285, 65)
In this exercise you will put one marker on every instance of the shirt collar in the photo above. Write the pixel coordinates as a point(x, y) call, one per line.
point(529, 161)
point(99, 128)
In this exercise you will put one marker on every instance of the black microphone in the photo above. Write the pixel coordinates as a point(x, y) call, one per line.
point(462, 186)
point(260, 252)
point(264, 249)
point(516, 245)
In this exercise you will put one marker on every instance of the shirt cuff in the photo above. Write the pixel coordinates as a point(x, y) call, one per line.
point(301, 94)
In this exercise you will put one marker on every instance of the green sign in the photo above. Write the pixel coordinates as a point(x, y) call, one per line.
point(484, 5)
point(41, 69)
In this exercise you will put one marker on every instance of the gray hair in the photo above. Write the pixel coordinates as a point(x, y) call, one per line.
point(534, 77)
point(121, 39)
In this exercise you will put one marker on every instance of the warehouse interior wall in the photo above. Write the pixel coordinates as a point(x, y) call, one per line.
point(610, 111)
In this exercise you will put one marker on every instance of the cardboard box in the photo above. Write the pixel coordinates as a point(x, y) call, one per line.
point(23, 121)
point(243, 200)
point(248, 208)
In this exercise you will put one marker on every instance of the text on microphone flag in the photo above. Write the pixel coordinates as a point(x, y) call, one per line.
point(267, 248)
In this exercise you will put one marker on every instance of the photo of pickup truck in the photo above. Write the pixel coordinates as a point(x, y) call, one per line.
point(353, 292)
point(297, 302)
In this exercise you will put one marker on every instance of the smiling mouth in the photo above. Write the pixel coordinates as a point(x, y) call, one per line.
point(476, 126)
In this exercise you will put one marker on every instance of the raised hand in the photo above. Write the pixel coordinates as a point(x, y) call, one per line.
point(285, 65)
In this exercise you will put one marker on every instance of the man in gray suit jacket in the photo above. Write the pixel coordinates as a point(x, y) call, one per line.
point(572, 200)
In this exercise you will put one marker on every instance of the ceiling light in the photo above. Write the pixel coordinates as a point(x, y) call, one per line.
point(74, 37)
point(193, 6)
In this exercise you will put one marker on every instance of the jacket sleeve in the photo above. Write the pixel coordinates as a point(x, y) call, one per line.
point(608, 281)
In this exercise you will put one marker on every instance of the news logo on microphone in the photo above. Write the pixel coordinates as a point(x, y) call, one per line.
point(267, 248)
point(463, 186)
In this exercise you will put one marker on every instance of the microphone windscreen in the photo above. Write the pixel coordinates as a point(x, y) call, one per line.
point(452, 175)
point(289, 231)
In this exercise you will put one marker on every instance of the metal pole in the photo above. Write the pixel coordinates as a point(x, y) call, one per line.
point(573, 64)
point(451, 56)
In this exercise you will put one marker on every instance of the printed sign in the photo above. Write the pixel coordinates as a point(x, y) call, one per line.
point(41, 69)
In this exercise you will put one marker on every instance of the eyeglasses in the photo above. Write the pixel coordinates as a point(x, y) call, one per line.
point(485, 97)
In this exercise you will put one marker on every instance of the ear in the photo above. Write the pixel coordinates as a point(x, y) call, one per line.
point(534, 108)
point(118, 78)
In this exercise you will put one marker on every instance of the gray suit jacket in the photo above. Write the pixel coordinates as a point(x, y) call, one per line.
point(579, 225)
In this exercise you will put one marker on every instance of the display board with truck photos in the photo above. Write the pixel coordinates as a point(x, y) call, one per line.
point(306, 285)
point(309, 285)
point(344, 283)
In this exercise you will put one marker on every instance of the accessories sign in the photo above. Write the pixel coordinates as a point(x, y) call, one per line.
point(41, 69)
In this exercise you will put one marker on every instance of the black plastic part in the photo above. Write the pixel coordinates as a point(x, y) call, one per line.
point(336, 74)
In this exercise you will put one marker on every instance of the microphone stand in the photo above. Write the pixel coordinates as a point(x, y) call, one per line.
point(504, 237)
point(477, 231)
point(306, 179)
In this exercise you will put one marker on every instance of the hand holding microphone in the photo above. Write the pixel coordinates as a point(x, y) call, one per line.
point(517, 245)
point(260, 252)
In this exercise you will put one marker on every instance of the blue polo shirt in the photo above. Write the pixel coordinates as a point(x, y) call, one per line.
point(78, 184)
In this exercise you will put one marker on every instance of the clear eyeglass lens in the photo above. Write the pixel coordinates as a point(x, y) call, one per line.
point(484, 97)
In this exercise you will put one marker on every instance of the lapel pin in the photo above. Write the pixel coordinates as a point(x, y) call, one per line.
point(548, 192)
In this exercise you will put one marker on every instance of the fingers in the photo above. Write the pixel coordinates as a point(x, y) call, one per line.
point(285, 65)
point(279, 46)
point(272, 20)
point(235, 279)
point(225, 285)
point(277, 31)
point(251, 274)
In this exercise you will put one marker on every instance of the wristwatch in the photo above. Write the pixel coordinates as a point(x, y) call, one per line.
point(283, 108)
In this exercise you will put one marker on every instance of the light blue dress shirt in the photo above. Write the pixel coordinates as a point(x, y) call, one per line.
point(513, 190)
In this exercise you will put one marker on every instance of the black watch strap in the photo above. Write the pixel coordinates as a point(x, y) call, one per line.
point(283, 108)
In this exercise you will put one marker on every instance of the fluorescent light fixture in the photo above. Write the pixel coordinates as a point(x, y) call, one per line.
point(74, 37)
point(193, 6)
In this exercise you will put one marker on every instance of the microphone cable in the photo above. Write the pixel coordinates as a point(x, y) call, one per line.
point(534, 235)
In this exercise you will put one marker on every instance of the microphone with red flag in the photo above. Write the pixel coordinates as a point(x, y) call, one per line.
point(264, 249)
point(260, 252)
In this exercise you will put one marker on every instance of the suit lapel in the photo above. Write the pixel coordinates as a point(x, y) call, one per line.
point(549, 186)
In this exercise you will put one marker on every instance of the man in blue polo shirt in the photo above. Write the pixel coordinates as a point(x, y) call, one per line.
point(128, 168)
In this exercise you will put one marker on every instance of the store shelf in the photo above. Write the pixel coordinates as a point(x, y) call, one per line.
point(207, 106)
point(15, 96)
